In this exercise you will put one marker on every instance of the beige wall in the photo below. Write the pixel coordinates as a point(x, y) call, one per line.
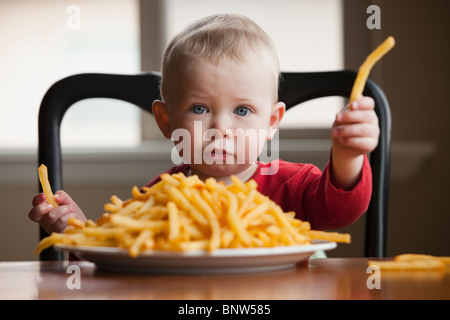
point(415, 77)
point(417, 81)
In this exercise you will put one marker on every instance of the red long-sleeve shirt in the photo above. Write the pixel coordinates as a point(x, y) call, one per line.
point(309, 192)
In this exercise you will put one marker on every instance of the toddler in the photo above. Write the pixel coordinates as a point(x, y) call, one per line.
point(219, 105)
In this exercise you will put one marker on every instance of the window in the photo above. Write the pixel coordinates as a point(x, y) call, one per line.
point(44, 41)
point(308, 36)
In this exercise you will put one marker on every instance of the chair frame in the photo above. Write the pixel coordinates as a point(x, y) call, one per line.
point(295, 88)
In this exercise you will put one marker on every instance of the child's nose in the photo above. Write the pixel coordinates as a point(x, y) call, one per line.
point(223, 125)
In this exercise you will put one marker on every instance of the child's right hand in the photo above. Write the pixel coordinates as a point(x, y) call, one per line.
point(54, 219)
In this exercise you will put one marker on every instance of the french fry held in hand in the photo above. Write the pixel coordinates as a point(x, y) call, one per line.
point(182, 213)
point(366, 67)
point(412, 262)
point(46, 188)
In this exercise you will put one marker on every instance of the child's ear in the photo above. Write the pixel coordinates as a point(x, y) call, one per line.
point(161, 114)
point(276, 116)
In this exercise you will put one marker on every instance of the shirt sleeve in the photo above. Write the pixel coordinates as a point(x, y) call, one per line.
point(329, 207)
point(310, 193)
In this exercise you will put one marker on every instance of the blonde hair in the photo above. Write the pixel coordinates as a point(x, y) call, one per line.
point(218, 37)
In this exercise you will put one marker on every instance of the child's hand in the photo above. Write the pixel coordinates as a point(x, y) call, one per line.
point(354, 133)
point(355, 130)
point(54, 219)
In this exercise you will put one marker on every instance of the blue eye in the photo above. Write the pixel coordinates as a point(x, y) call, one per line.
point(242, 111)
point(199, 109)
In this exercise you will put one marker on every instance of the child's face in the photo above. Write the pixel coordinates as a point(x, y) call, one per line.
point(228, 111)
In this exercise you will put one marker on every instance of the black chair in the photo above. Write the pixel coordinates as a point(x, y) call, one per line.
point(142, 89)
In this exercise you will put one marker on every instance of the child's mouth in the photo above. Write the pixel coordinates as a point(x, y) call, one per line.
point(219, 154)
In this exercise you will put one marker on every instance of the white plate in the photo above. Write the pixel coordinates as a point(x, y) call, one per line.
point(199, 261)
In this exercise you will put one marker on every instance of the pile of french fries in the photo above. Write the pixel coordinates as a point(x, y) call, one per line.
point(182, 213)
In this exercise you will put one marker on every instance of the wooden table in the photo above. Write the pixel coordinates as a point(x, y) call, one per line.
point(331, 278)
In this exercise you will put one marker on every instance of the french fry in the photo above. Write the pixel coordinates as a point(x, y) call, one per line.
point(182, 213)
point(329, 236)
point(135, 224)
point(366, 67)
point(46, 188)
point(413, 262)
point(213, 221)
point(430, 264)
point(234, 222)
point(77, 223)
point(140, 240)
point(174, 224)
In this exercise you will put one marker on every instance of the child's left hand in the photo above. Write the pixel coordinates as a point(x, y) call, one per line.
point(355, 130)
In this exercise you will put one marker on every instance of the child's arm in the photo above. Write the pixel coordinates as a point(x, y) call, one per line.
point(54, 219)
point(354, 133)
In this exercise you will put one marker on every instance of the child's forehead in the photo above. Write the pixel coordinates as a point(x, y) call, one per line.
point(227, 70)
point(252, 63)
point(249, 80)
